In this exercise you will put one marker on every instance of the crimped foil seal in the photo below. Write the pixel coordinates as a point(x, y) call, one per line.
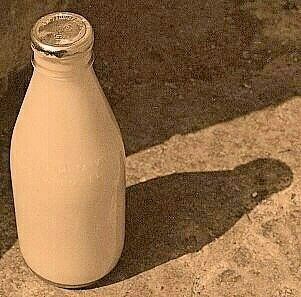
point(62, 34)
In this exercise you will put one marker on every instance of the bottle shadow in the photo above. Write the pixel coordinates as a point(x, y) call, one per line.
point(173, 215)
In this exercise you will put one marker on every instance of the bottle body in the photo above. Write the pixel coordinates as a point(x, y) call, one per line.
point(68, 178)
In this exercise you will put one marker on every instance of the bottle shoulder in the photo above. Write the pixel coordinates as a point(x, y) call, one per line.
point(64, 110)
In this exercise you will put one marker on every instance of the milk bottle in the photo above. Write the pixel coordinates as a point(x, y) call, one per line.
point(67, 160)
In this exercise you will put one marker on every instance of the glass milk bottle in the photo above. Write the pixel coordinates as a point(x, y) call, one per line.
point(67, 160)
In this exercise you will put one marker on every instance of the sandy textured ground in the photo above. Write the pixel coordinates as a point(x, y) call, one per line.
point(207, 96)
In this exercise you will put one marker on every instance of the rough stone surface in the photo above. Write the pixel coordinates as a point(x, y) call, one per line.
point(208, 98)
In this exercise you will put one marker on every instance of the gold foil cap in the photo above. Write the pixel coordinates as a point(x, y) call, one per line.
point(62, 34)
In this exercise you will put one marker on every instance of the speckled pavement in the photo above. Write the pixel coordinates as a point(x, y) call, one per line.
point(211, 125)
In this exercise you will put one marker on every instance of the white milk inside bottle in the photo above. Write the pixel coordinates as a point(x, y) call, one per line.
point(67, 160)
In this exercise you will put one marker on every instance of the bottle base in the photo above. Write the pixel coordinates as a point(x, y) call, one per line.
point(63, 286)
point(80, 286)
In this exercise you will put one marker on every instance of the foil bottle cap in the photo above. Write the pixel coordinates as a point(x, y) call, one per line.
point(62, 34)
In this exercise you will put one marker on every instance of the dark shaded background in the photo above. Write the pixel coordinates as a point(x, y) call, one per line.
point(173, 67)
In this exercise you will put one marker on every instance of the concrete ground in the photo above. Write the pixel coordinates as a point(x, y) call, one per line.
point(208, 98)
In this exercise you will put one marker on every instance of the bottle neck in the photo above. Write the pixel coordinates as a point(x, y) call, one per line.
point(66, 67)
